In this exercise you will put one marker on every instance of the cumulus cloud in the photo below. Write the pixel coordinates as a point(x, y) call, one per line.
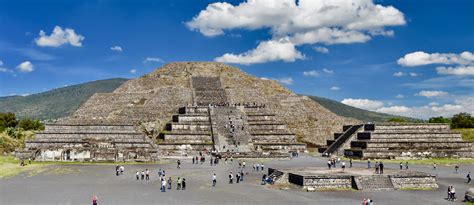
point(300, 22)
point(432, 94)
point(59, 37)
point(399, 74)
point(460, 70)
point(463, 104)
point(311, 73)
point(321, 49)
point(133, 71)
point(267, 51)
point(328, 71)
point(286, 81)
point(420, 58)
point(413, 74)
point(334, 88)
point(399, 96)
point(363, 103)
point(153, 59)
point(26, 67)
point(116, 48)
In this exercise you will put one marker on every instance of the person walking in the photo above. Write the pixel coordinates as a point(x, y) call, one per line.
point(468, 177)
point(343, 165)
point(178, 185)
point(368, 164)
point(143, 175)
point(231, 178)
point(137, 175)
point(147, 174)
point(183, 184)
point(214, 179)
point(94, 200)
point(163, 185)
point(350, 163)
point(401, 165)
point(179, 164)
point(381, 168)
point(238, 177)
point(434, 166)
point(193, 160)
point(376, 167)
point(169, 182)
point(456, 169)
point(329, 164)
point(406, 165)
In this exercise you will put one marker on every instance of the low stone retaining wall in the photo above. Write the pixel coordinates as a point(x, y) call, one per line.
point(414, 182)
point(321, 182)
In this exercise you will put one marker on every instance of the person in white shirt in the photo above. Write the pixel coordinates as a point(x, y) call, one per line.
point(214, 179)
point(163, 185)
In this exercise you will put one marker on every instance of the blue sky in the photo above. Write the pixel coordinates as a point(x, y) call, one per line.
point(413, 58)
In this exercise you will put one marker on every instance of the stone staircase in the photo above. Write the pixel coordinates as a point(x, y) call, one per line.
point(230, 129)
point(341, 141)
point(373, 183)
point(208, 90)
point(408, 140)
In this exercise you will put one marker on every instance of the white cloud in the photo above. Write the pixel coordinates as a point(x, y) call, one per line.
point(116, 48)
point(153, 59)
point(363, 103)
point(334, 88)
point(59, 37)
point(328, 71)
point(460, 70)
point(311, 73)
point(420, 58)
point(321, 49)
point(399, 74)
point(26, 67)
point(286, 81)
point(412, 74)
point(266, 51)
point(432, 94)
point(400, 96)
point(463, 104)
point(301, 22)
point(133, 71)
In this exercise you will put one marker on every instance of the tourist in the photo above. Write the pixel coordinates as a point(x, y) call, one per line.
point(368, 164)
point(343, 165)
point(406, 165)
point(163, 173)
point(178, 183)
point(376, 167)
point(94, 200)
point(401, 165)
point(147, 174)
point(169, 182)
point(183, 184)
point(241, 175)
point(163, 185)
point(159, 173)
point(22, 163)
point(179, 164)
point(214, 179)
point(381, 168)
point(193, 160)
point(468, 177)
point(350, 163)
point(231, 178)
point(238, 177)
point(262, 167)
point(122, 169)
point(29, 160)
point(434, 166)
point(264, 177)
point(453, 194)
point(329, 164)
point(456, 169)
point(211, 161)
point(243, 164)
point(137, 175)
point(143, 175)
point(117, 171)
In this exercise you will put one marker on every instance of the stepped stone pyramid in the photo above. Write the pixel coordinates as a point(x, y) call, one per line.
point(398, 140)
point(170, 107)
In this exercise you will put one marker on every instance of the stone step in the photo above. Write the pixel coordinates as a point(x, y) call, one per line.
point(409, 144)
point(387, 154)
point(374, 182)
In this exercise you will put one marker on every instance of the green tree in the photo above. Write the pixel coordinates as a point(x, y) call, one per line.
point(462, 120)
point(7, 120)
point(29, 124)
point(396, 119)
point(439, 119)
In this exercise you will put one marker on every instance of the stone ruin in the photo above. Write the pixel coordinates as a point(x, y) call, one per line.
point(168, 112)
point(389, 140)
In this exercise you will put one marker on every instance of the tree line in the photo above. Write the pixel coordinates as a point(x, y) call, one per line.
point(460, 120)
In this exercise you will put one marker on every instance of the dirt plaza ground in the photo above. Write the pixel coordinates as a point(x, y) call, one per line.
point(76, 184)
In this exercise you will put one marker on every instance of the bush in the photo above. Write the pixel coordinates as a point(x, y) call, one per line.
point(439, 119)
point(396, 119)
point(462, 120)
point(29, 124)
point(7, 120)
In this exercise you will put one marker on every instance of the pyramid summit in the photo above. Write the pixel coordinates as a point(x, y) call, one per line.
point(190, 106)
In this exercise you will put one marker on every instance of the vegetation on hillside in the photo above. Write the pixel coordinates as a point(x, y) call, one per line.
point(56, 103)
point(14, 132)
point(356, 113)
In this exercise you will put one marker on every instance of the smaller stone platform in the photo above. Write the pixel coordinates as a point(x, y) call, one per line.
point(323, 179)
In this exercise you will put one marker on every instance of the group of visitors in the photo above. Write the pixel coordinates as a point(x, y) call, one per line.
point(258, 167)
point(451, 193)
point(143, 175)
point(332, 162)
point(238, 177)
point(119, 169)
point(379, 167)
point(406, 165)
point(22, 162)
point(226, 104)
point(367, 202)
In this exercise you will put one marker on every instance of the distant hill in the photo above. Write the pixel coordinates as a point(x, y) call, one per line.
point(62, 102)
point(357, 113)
point(56, 103)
